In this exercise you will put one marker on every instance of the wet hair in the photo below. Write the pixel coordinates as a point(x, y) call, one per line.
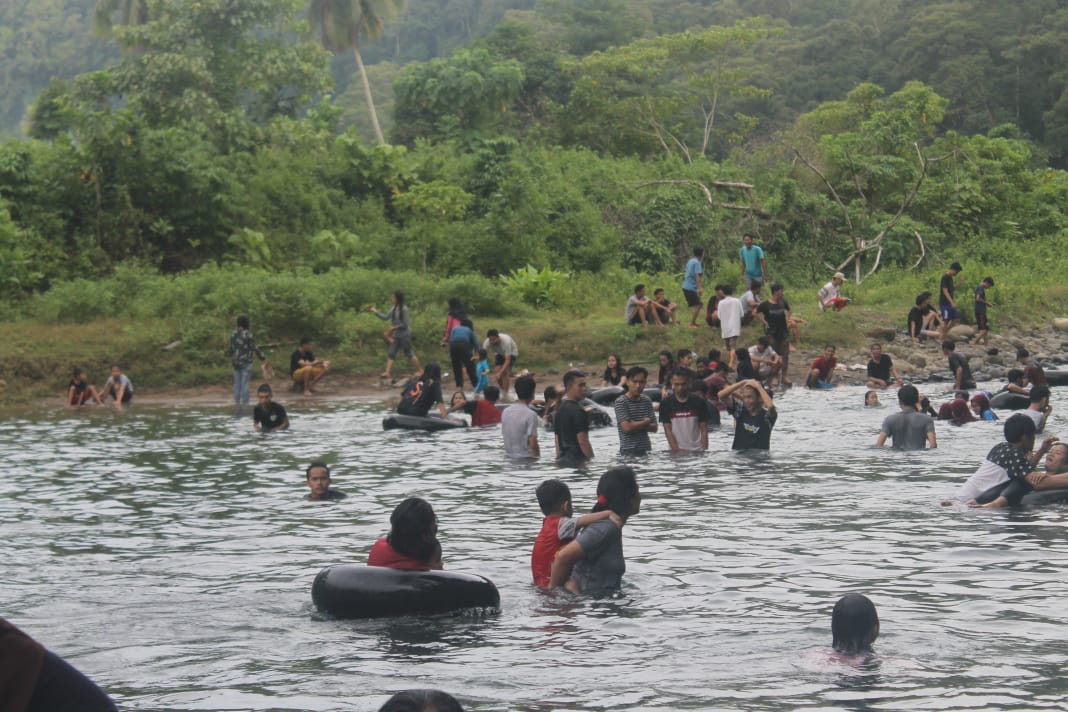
point(922, 297)
point(458, 392)
point(242, 321)
point(313, 465)
point(686, 373)
point(305, 340)
point(421, 701)
point(854, 624)
point(524, 387)
point(432, 372)
point(399, 296)
point(550, 393)
point(869, 394)
point(1018, 427)
point(909, 395)
point(413, 529)
point(982, 401)
point(616, 490)
point(265, 388)
point(635, 371)
point(492, 394)
point(1064, 466)
point(551, 496)
point(1014, 374)
point(570, 377)
point(961, 395)
point(1038, 393)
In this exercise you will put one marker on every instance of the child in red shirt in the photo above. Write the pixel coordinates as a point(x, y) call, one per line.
point(558, 527)
point(821, 372)
point(412, 542)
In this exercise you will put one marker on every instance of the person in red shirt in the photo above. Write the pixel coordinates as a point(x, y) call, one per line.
point(821, 372)
point(482, 412)
point(558, 527)
point(412, 542)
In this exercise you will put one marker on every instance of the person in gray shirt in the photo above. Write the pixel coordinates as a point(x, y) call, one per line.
point(910, 429)
point(519, 423)
point(593, 563)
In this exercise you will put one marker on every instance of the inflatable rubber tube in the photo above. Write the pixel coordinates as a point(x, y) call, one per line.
point(1007, 400)
point(397, 421)
point(1050, 496)
point(599, 417)
point(355, 591)
point(607, 395)
point(653, 393)
point(1057, 378)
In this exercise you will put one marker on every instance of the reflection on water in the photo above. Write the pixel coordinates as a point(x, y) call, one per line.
point(169, 554)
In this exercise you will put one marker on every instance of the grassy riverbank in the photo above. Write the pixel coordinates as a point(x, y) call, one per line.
point(171, 333)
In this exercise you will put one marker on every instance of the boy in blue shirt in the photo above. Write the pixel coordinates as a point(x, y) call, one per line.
point(483, 370)
point(691, 284)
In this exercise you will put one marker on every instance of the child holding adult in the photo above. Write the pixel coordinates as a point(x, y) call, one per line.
point(854, 627)
point(412, 542)
point(422, 392)
point(268, 415)
point(614, 374)
point(558, 527)
point(318, 477)
point(118, 386)
point(79, 391)
point(399, 333)
point(635, 418)
point(593, 562)
point(754, 414)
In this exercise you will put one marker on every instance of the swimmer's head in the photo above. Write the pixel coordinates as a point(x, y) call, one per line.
point(264, 394)
point(554, 498)
point(871, 398)
point(854, 624)
point(525, 387)
point(1057, 458)
point(413, 529)
point(551, 393)
point(458, 398)
point(492, 394)
point(751, 398)
point(318, 478)
point(421, 701)
point(908, 396)
point(1019, 429)
point(1015, 375)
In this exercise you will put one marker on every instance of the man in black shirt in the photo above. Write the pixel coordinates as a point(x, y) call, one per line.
point(572, 423)
point(958, 366)
point(305, 368)
point(775, 313)
point(268, 415)
point(754, 414)
point(922, 317)
point(947, 305)
point(318, 474)
point(881, 371)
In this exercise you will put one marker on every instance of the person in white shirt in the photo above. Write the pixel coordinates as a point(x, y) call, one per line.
point(830, 296)
point(729, 312)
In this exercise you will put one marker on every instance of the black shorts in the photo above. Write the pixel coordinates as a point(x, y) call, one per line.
point(499, 360)
point(692, 299)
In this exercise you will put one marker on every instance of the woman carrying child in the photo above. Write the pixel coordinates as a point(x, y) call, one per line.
point(593, 563)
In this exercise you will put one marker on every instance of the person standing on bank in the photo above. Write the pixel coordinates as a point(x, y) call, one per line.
point(399, 334)
point(775, 314)
point(754, 266)
point(242, 346)
point(691, 284)
point(947, 305)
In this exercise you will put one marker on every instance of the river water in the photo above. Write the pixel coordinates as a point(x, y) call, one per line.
point(168, 553)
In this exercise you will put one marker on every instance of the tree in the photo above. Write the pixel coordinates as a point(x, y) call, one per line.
point(342, 24)
point(131, 12)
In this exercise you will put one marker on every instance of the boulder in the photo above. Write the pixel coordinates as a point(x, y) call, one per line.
point(918, 361)
point(882, 333)
point(961, 332)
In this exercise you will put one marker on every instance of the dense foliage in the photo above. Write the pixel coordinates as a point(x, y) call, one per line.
point(528, 138)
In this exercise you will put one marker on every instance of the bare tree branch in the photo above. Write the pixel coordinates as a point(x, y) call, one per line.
point(923, 249)
point(709, 198)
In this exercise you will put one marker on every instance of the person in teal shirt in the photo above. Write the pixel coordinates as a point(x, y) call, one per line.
point(483, 370)
point(691, 284)
point(754, 267)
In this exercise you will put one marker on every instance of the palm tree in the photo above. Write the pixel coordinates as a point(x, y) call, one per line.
point(133, 12)
point(341, 24)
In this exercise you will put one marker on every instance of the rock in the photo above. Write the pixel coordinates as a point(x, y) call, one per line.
point(884, 333)
point(961, 332)
point(918, 361)
point(976, 363)
point(992, 352)
point(1017, 342)
point(553, 371)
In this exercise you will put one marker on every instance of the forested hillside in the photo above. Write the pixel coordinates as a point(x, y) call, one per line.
point(567, 135)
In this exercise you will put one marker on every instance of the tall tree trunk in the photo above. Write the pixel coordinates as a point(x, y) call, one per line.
point(367, 91)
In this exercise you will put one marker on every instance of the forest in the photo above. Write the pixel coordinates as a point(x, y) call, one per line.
point(526, 139)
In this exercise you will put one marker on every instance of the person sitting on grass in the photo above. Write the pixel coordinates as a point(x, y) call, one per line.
point(268, 415)
point(318, 477)
point(118, 386)
point(639, 310)
point(663, 309)
point(305, 369)
point(412, 542)
point(79, 391)
point(754, 414)
point(821, 372)
point(559, 527)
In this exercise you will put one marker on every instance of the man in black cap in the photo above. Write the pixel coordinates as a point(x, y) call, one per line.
point(947, 305)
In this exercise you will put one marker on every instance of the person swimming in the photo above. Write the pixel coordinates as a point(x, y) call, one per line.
point(854, 625)
point(871, 398)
